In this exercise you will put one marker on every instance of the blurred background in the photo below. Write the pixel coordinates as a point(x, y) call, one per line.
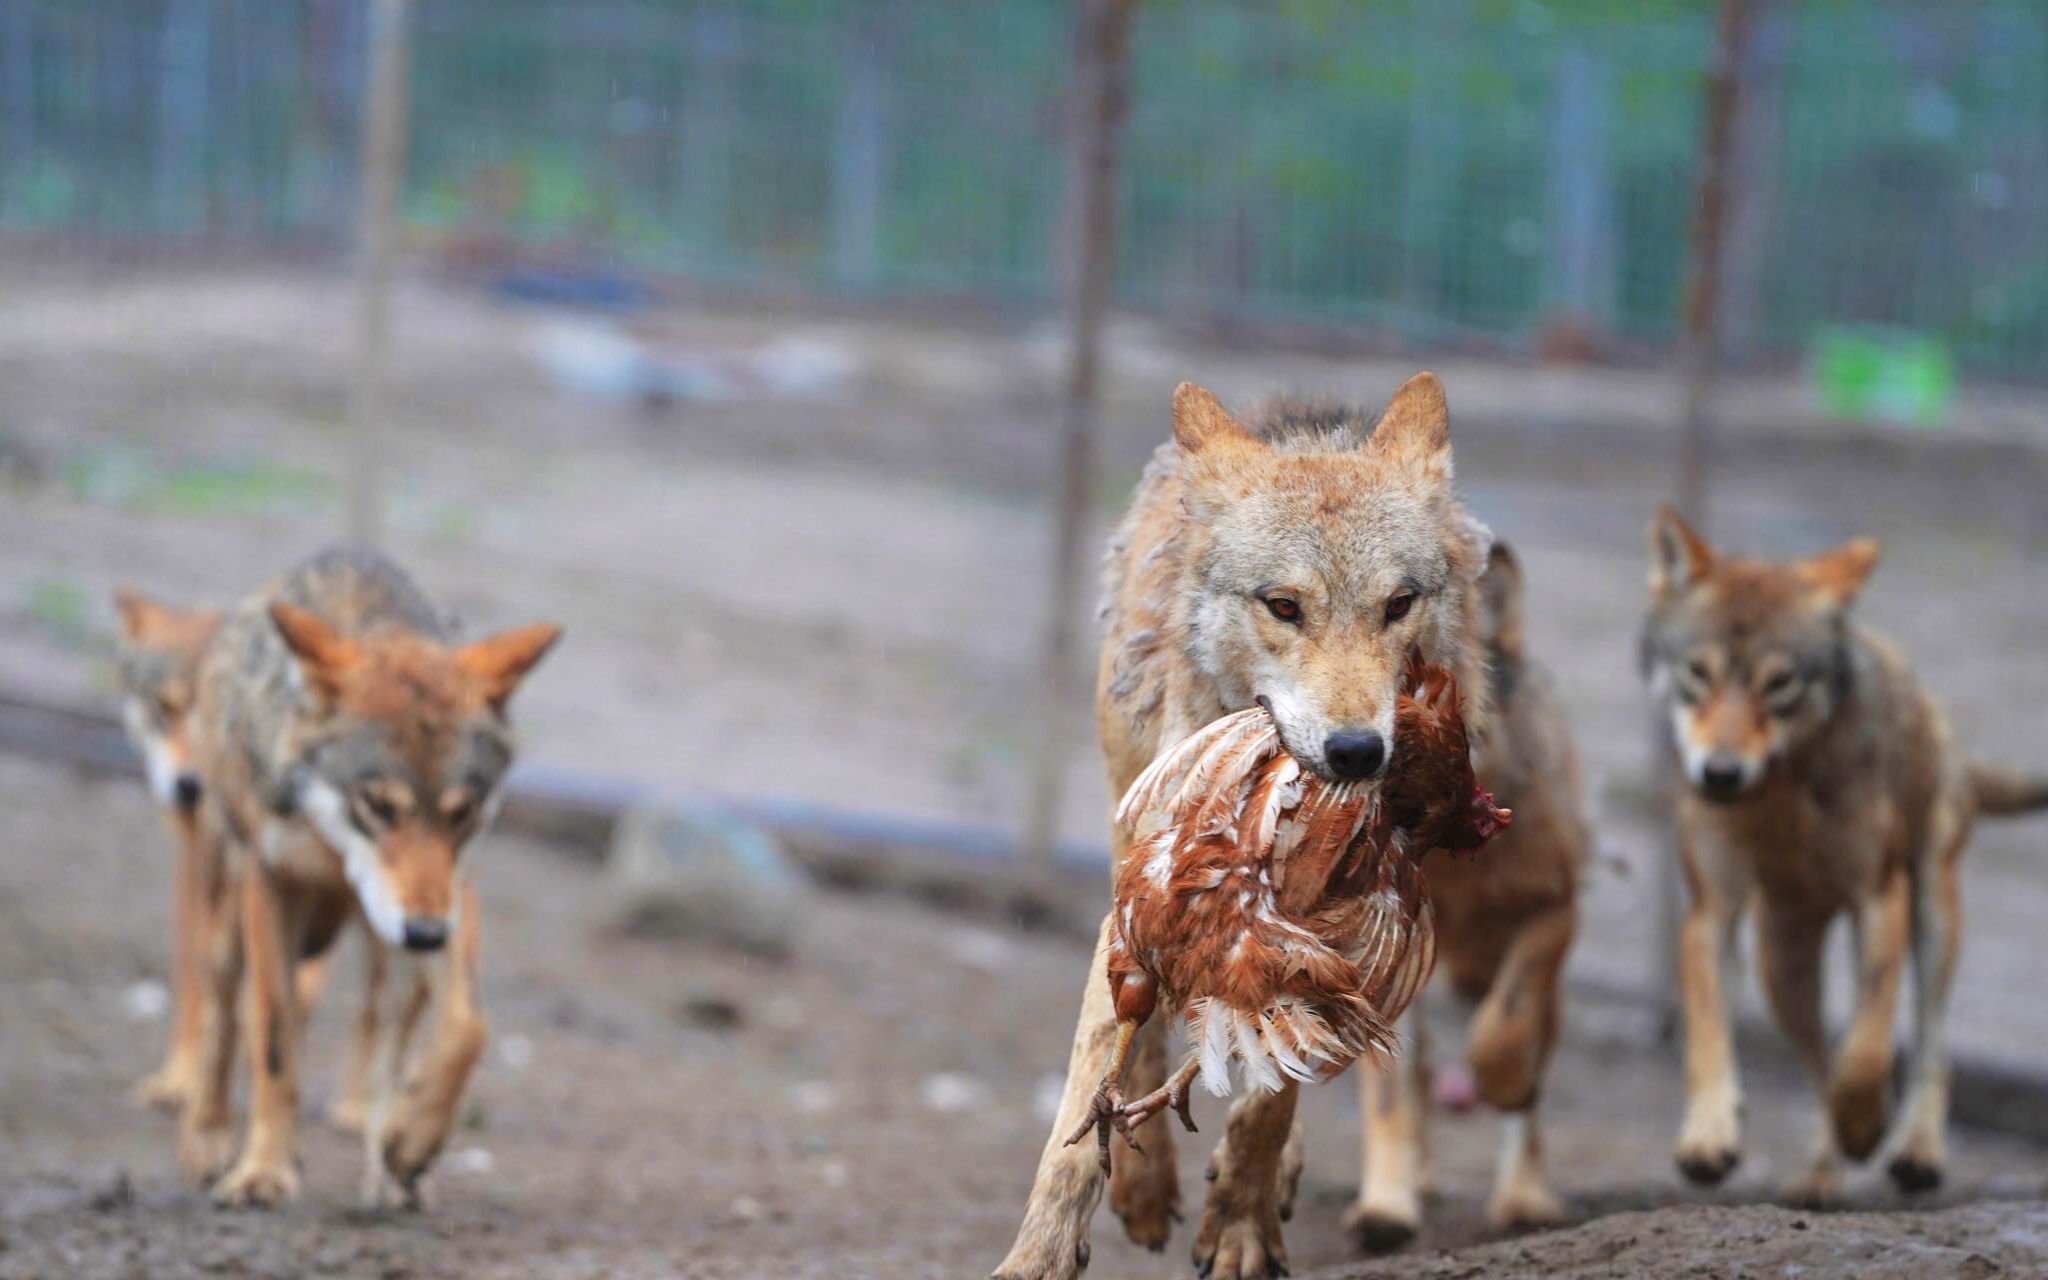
point(796, 355)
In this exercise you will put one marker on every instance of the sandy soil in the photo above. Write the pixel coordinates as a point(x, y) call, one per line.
point(869, 1108)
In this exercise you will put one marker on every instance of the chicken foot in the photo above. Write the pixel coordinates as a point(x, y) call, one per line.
point(1177, 1092)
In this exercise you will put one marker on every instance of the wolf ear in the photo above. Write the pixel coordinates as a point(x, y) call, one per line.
point(1415, 429)
point(140, 615)
point(1678, 556)
point(1201, 422)
point(1500, 590)
point(1836, 576)
point(498, 663)
point(323, 653)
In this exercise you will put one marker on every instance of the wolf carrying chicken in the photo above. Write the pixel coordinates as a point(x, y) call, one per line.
point(1285, 918)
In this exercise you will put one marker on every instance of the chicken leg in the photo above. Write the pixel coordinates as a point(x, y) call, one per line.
point(1106, 1108)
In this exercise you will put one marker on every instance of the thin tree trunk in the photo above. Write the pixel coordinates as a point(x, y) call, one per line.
point(1698, 341)
point(383, 166)
point(1088, 256)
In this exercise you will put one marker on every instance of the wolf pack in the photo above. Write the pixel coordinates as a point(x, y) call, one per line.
point(324, 752)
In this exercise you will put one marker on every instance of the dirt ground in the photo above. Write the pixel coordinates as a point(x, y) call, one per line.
point(836, 598)
point(869, 1108)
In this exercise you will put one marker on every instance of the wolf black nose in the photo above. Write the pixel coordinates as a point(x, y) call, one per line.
point(1721, 777)
point(185, 792)
point(425, 933)
point(1353, 756)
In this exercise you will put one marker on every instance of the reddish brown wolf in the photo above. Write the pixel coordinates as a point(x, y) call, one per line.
point(1505, 920)
point(348, 751)
point(1820, 780)
point(158, 660)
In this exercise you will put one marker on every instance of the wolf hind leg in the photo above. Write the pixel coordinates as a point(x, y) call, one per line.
point(1937, 906)
point(350, 1109)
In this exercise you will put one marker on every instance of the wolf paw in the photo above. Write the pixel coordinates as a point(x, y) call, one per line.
point(1710, 1144)
point(1523, 1207)
point(1380, 1228)
point(1856, 1109)
point(168, 1088)
point(205, 1151)
point(349, 1113)
point(409, 1147)
point(257, 1184)
point(1817, 1188)
point(1145, 1192)
point(1914, 1174)
point(1239, 1236)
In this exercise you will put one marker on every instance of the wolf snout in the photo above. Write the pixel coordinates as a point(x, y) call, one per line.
point(185, 791)
point(1355, 756)
point(1722, 777)
point(425, 933)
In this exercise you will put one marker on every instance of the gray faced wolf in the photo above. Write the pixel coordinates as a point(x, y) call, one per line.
point(348, 748)
point(1818, 779)
point(1295, 561)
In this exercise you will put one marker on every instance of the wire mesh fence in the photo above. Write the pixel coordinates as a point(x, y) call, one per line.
point(1448, 169)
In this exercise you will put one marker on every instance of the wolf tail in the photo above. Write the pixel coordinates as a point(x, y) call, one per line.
point(2007, 791)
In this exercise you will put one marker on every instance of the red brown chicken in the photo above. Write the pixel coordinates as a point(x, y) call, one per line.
point(1283, 916)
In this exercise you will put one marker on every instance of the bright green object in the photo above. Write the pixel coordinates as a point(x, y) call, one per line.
point(1878, 375)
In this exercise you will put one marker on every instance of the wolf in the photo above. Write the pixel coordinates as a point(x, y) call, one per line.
point(349, 748)
point(157, 664)
point(1293, 561)
point(1504, 923)
point(1817, 779)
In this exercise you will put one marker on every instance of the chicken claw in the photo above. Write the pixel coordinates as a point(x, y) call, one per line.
point(1106, 1112)
point(1174, 1093)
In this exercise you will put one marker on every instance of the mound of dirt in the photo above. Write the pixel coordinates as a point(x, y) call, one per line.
point(1968, 1243)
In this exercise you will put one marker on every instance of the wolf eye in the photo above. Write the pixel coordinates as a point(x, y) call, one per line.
point(1398, 607)
point(378, 806)
point(1283, 608)
point(1777, 684)
point(166, 707)
point(460, 812)
point(1698, 672)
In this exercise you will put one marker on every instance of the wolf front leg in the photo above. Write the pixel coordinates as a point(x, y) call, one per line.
point(1052, 1243)
point(1239, 1236)
point(179, 1079)
point(205, 1135)
point(395, 1006)
point(267, 1171)
point(1710, 1138)
point(1394, 1100)
point(419, 1124)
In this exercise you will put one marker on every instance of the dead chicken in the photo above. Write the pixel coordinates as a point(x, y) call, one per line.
point(1282, 915)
